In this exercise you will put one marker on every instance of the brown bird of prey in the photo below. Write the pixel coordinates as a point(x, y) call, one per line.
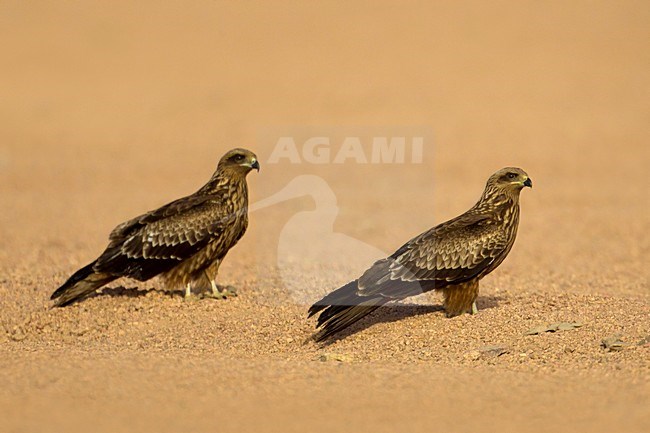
point(451, 257)
point(184, 241)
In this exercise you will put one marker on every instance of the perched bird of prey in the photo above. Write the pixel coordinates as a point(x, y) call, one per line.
point(184, 241)
point(451, 257)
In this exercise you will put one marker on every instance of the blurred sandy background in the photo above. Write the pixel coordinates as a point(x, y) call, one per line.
point(112, 108)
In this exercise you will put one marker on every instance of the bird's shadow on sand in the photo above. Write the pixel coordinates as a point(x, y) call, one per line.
point(396, 312)
point(131, 292)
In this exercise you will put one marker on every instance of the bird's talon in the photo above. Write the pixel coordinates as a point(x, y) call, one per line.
point(190, 298)
point(230, 291)
point(223, 293)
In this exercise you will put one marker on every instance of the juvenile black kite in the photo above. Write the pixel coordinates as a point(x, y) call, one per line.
point(451, 257)
point(183, 241)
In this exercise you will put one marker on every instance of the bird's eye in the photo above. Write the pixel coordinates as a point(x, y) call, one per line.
point(511, 175)
point(238, 157)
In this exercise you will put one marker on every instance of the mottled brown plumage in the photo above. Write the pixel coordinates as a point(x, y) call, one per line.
point(184, 241)
point(451, 257)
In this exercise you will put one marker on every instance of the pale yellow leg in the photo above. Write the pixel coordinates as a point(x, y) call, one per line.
point(219, 294)
point(215, 289)
point(188, 296)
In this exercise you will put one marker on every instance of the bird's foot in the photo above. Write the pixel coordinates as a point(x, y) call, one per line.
point(190, 297)
point(474, 308)
point(221, 292)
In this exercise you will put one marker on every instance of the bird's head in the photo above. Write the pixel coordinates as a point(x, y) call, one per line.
point(239, 161)
point(509, 180)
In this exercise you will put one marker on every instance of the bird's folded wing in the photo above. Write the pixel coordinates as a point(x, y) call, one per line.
point(175, 231)
point(174, 208)
point(451, 253)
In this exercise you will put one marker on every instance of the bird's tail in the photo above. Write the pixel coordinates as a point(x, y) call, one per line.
point(342, 308)
point(81, 284)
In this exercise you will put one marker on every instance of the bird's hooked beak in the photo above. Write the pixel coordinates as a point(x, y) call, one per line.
point(254, 164)
point(528, 182)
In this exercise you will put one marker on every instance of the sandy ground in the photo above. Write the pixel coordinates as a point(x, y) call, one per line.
point(110, 110)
